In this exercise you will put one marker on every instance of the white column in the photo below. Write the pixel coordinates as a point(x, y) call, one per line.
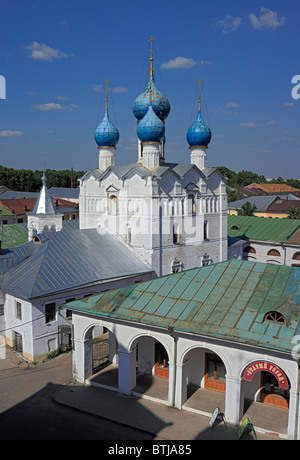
point(82, 359)
point(233, 400)
point(181, 386)
point(293, 431)
point(127, 371)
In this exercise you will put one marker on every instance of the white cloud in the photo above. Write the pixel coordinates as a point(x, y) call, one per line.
point(179, 62)
point(43, 52)
point(119, 89)
point(72, 107)
point(10, 133)
point(97, 88)
point(205, 62)
point(229, 24)
point(286, 104)
point(232, 105)
point(47, 107)
point(267, 19)
point(250, 124)
point(272, 122)
point(32, 93)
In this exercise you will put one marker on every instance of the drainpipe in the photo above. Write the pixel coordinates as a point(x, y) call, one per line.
point(70, 324)
point(284, 251)
point(171, 332)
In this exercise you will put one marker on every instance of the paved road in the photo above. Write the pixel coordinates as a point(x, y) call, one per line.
point(28, 411)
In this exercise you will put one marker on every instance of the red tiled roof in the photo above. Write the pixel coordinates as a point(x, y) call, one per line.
point(21, 206)
point(273, 188)
point(284, 205)
point(295, 238)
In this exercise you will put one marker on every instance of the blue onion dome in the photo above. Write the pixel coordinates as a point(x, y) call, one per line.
point(199, 133)
point(106, 135)
point(150, 128)
point(160, 103)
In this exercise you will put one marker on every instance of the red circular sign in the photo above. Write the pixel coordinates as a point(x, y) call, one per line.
point(259, 366)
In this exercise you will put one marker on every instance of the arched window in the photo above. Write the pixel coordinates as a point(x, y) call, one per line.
point(205, 230)
point(192, 204)
point(249, 250)
point(275, 317)
point(296, 256)
point(129, 235)
point(112, 205)
point(273, 252)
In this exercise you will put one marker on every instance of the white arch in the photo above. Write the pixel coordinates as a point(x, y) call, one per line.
point(206, 346)
point(102, 323)
point(153, 336)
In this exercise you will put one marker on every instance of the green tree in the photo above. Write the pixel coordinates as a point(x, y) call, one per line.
point(247, 209)
point(294, 213)
point(234, 194)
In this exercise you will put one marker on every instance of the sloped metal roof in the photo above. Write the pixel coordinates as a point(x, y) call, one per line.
point(261, 202)
point(63, 192)
point(261, 229)
point(227, 300)
point(122, 171)
point(67, 260)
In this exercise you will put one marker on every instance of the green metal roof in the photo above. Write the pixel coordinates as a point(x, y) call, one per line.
point(4, 212)
point(262, 229)
point(227, 300)
point(13, 235)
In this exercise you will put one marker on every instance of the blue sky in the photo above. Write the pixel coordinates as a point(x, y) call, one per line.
point(55, 57)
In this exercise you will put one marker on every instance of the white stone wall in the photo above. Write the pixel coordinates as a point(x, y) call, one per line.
point(262, 248)
point(147, 211)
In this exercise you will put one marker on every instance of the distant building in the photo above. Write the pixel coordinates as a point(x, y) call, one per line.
point(273, 241)
point(276, 206)
point(270, 189)
point(20, 208)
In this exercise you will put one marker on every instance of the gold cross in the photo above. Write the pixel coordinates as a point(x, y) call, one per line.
point(199, 83)
point(151, 40)
point(151, 55)
point(106, 81)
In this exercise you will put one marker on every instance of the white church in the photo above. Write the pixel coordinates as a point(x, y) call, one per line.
point(173, 216)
